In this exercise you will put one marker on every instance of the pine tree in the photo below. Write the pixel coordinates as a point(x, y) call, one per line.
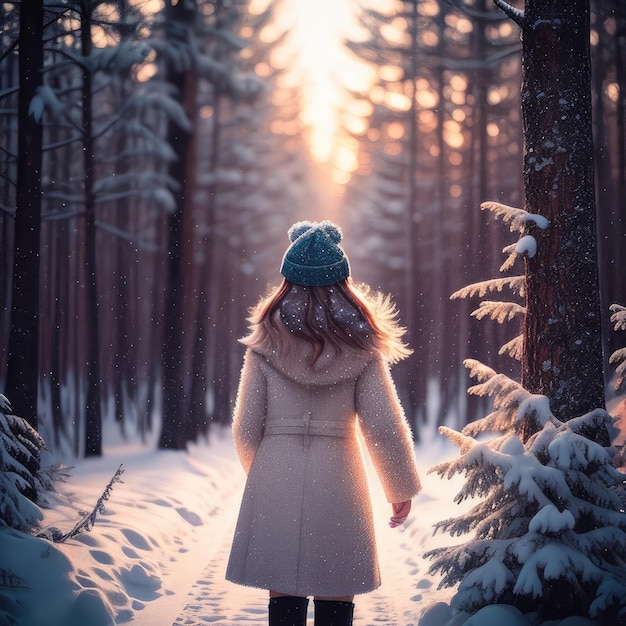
point(20, 484)
point(550, 532)
point(549, 526)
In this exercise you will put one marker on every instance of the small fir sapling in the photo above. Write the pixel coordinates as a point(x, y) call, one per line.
point(549, 529)
point(25, 486)
point(20, 484)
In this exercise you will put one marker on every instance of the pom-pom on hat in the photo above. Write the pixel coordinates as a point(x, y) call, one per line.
point(315, 257)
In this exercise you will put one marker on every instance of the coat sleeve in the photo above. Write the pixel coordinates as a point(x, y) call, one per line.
point(387, 433)
point(250, 409)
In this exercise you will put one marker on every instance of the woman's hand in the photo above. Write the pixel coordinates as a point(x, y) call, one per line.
point(401, 511)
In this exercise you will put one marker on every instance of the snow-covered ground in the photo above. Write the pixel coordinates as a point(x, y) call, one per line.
point(157, 555)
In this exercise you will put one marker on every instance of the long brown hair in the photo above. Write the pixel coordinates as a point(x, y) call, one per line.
point(336, 315)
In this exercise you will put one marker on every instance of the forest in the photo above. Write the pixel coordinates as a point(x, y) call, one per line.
point(155, 154)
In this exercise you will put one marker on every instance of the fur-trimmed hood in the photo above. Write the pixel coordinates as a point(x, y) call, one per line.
point(331, 366)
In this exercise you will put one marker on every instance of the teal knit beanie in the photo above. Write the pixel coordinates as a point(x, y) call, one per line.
point(314, 257)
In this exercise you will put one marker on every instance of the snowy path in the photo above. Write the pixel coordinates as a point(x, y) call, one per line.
point(212, 600)
point(406, 590)
point(158, 552)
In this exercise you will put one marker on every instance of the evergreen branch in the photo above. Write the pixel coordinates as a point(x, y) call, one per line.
point(517, 219)
point(498, 311)
point(516, 408)
point(88, 521)
point(619, 357)
point(5, 405)
point(505, 391)
point(463, 442)
point(492, 422)
point(511, 250)
point(618, 317)
point(513, 348)
point(478, 370)
point(515, 283)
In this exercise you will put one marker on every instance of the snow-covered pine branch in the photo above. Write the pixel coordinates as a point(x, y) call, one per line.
point(618, 317)
point(478, 370)
point(20, 449)
point(503, 389)
point(526, 246)
point(511, 251)
point(618, 358)
point(513, 348)
point(517, 219)
point(473, 454)
point(120, 57)
point(498, 311)
point(45, 98)
point(463, 442)
point(516, 409)
point(88, 520)
point(551, 521)
point(480, 289)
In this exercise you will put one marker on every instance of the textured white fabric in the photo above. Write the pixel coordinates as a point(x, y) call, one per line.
point(305, 524)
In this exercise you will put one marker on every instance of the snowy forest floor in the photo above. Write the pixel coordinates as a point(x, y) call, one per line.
point(158, 553)
point(406, 589)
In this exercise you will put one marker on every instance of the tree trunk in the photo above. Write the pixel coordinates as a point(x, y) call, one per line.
point(22, 362)
point(562, 329)
point(93, 418)
point(414, 313)
point(201, 347)
point(179, 276)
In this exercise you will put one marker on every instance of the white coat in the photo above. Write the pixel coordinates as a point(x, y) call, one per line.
point(305, 525)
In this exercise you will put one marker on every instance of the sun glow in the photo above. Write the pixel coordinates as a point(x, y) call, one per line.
point(326, 69)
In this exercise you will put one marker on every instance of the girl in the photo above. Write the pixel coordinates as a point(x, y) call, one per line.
point(315, 375)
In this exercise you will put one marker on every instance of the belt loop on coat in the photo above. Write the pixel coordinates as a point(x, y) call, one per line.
point(306, 419)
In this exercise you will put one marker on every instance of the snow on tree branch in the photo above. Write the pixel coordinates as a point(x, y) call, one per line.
point(44, 98)
point(550, 520)
point(20, 447)
point(498, 311)
point(513, 348)
point(517, 219)
point(478, 370)
point(515, 283)
point(516, 409)
point(618, 358)
point(618, 317)
point(527, 245)
point(462, 441)
point(511, 251)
